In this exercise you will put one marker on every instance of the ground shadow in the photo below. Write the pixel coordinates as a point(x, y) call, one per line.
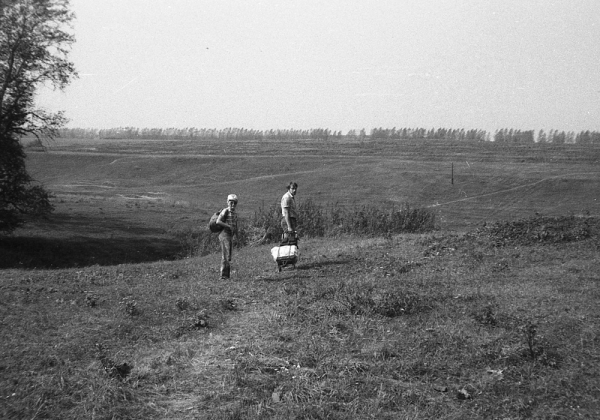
point(39, 252)
point(319, 264)
point(68, 239)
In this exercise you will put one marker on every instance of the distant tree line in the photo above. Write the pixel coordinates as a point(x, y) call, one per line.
point(504, 135)
point(198, 133)
point(423, 133)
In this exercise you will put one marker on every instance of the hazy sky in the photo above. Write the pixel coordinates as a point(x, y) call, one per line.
point(336, 64)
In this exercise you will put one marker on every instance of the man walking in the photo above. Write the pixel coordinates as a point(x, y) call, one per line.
point(288, 210)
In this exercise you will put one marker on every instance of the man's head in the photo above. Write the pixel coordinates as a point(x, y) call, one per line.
point(232, 200)
point(292, 188)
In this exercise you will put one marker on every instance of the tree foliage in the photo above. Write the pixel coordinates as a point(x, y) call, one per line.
point(502, 136)
point(35, 41)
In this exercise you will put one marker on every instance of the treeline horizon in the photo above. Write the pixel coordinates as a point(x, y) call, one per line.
point(504, 135)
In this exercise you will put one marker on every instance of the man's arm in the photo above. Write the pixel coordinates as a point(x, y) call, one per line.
point(220, 221)
point(288, 221)
point(285, 206)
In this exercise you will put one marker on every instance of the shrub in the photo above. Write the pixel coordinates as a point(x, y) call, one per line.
point(315, 220)
point(331, 219)
point(195, 243)
point(540, 230)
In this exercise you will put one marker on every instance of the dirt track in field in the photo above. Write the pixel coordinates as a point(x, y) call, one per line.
point(519, 187)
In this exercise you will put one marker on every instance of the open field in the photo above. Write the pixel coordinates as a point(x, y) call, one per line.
point(100, 320)
point(107, 188)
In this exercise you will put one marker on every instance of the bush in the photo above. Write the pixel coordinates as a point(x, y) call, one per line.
point(540, 230)
point(315, 220)
point(203, 242)
point(19, 194)
point(318, 220)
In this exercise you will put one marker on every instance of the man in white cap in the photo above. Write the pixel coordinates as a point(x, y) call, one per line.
point(228, 221)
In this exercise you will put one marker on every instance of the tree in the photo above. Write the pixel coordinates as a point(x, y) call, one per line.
point(34, 46)
point(542, 138)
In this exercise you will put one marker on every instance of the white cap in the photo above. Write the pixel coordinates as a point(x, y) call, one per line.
point(232, 197)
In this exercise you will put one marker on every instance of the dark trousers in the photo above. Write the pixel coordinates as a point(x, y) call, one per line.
point(284, 225)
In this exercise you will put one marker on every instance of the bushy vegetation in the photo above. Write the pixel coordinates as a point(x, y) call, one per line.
point(315, 220)
point(541, 230)
point(34, 50)
point(331, 219)
point(20, 195)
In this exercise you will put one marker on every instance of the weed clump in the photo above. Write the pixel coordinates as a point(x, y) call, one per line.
point(91, 300)
point(118, 371)
point(540, 230)
point(130, 306)
point(487, 315)
point(199, 321)
point(183, 304)
point(229, 304)
point(537, 349)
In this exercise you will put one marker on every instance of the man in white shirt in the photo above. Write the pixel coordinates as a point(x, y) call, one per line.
point(288, 209)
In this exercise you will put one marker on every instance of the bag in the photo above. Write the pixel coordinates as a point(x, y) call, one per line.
point(286, 254)
point(212, 223)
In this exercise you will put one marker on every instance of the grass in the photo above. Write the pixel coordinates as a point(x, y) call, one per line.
point(112, 308)
point(491, 181)
point(413, 326)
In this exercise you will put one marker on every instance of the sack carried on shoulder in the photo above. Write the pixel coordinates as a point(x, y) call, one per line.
point(212, 224)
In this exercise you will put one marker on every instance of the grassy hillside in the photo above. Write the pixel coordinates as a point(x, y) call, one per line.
point(467, 183)
point(122, 201)
point(498, 323)
point(492, 316)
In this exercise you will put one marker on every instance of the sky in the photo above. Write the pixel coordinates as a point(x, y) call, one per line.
point(337, 64)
